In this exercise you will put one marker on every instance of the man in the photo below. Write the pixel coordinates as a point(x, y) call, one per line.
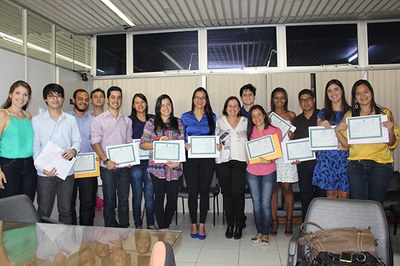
point(305, 169)
point(60, 128)
point(248, 95)
point(113, 128)
point(87, 186)
point(98, 99)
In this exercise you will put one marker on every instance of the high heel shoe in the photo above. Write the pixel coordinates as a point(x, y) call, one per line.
point(195, 235)
point(229, 232)
point(289, 228)
point(274, 228)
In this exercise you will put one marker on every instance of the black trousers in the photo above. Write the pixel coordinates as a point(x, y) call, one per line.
point(198, 175)
point(232, 179)
point(87, 196)
point(305, 171)
point(161, 188)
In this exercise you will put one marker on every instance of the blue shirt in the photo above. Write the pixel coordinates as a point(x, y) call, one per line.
point(244, 113)
point(193, 127)
point(64, 133)
point(84, 125)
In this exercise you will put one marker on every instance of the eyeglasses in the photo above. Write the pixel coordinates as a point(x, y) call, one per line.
point(200, 98)
point(306, 100)
point(53, 96)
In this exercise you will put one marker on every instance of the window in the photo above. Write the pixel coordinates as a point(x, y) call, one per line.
point(384, 43)
point(64, 48)
point(165, 51)
point(39, 38)
point(82, 53)
point(111, 55)
point(10, 27)
point(321, 45)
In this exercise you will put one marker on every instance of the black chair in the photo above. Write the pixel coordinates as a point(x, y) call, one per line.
point(20, 208)
point(331, 213)
point(213, 193)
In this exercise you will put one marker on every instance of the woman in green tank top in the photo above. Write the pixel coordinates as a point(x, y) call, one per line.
point(17, 172)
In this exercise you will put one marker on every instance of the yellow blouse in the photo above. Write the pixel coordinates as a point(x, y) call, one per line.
point(378, 152)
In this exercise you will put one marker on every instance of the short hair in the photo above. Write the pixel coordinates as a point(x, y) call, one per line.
point(249, 87)
point(113, 88)
point(306, 91)
point(97, 90)
point(53, 88)
point(77, 91)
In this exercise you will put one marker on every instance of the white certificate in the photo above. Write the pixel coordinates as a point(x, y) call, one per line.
point(123, 154)
point(322, 138)
point(297, 150)
point(367, 129)
point(50, 157)
point(171, 150)
point(143, 154)
point(260, 147)
point(85, 162)
point(281, 123)
point(203, 147)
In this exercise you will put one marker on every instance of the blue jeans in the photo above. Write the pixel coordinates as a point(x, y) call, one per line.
point(21, 177)
point(369, 180)
point(261, 189)
point(141, 182)
point(115, 182)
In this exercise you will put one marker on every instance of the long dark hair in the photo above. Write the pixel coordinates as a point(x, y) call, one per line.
point(15, 85)
point(158, 122)
point(250, 123)
point(207, 109)
point(276, 90)
point(224, 112)
point(374, 105)
point(344, 106)
point(133, 110)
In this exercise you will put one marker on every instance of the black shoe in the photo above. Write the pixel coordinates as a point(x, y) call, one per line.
point(238, 233)
point(229, 232)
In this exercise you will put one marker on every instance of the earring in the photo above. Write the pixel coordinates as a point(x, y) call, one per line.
point(356, 105)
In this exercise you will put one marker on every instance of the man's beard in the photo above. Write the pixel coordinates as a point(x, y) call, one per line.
point(79, 109)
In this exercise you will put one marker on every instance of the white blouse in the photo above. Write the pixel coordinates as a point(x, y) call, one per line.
point(232, 140)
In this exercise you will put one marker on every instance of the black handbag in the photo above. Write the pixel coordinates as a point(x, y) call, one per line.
point(331, 259)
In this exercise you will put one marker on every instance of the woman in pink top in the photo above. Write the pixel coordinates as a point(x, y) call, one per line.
point(261, 177)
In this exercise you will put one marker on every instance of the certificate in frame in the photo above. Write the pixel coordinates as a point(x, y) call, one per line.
point(123, 154)
point(297, 150)
point(281, 123)
point(203, 147)
point(87, 165)
point(367, 129)
point(267, 147)
point(322, 138)
point(171, 150)
point(143, 154)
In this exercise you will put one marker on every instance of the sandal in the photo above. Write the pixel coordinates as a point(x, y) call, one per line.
point(256, 239)
point(265, 240)
point(274, 228)
point(289, 228)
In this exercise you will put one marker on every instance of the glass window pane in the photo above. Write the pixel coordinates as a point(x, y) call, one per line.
point(82, 53)
point(165, 51)
point(39, 38)
point(111, 55)
point(242, 47)
point(10, 27)
point(321, 45)
point(384, 43)
point(64, 48)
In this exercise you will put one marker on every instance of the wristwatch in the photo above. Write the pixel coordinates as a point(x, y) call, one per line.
point(106, 161)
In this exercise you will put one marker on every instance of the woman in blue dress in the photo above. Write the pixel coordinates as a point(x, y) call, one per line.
point(330, 173)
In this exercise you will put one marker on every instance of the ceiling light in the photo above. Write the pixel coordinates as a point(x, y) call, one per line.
point(118, 12)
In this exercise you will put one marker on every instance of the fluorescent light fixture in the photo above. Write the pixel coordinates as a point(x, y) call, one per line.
point(118, 12)
point(172, 59)
point(352, 58)
point(15, 40)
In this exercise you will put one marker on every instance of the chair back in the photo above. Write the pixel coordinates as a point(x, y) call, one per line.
point(331, 213)
point(18, 208)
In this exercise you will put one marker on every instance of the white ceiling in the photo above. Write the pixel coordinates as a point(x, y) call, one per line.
point(93, 17)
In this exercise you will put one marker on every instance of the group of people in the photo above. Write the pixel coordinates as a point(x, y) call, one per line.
point(359, 171)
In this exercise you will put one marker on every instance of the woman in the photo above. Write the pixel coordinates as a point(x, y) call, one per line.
point(17, 172)
point(199, 172)
point(261, 177)
point(231, 165)
point(164, 126)
point(370, 165)
point(286, 172)
point(330, 173)
point(140, 181)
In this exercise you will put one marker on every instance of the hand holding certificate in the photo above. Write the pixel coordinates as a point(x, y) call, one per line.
point(281, 123)
point(367, 129)
point(297, 150)
point(124, 154)
point(203, 147)
point(267, 147)
point(322, 138)
point(172, 150)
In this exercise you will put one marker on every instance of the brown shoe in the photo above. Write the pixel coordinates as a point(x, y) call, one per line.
point(289, 228)
point(274, 228)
